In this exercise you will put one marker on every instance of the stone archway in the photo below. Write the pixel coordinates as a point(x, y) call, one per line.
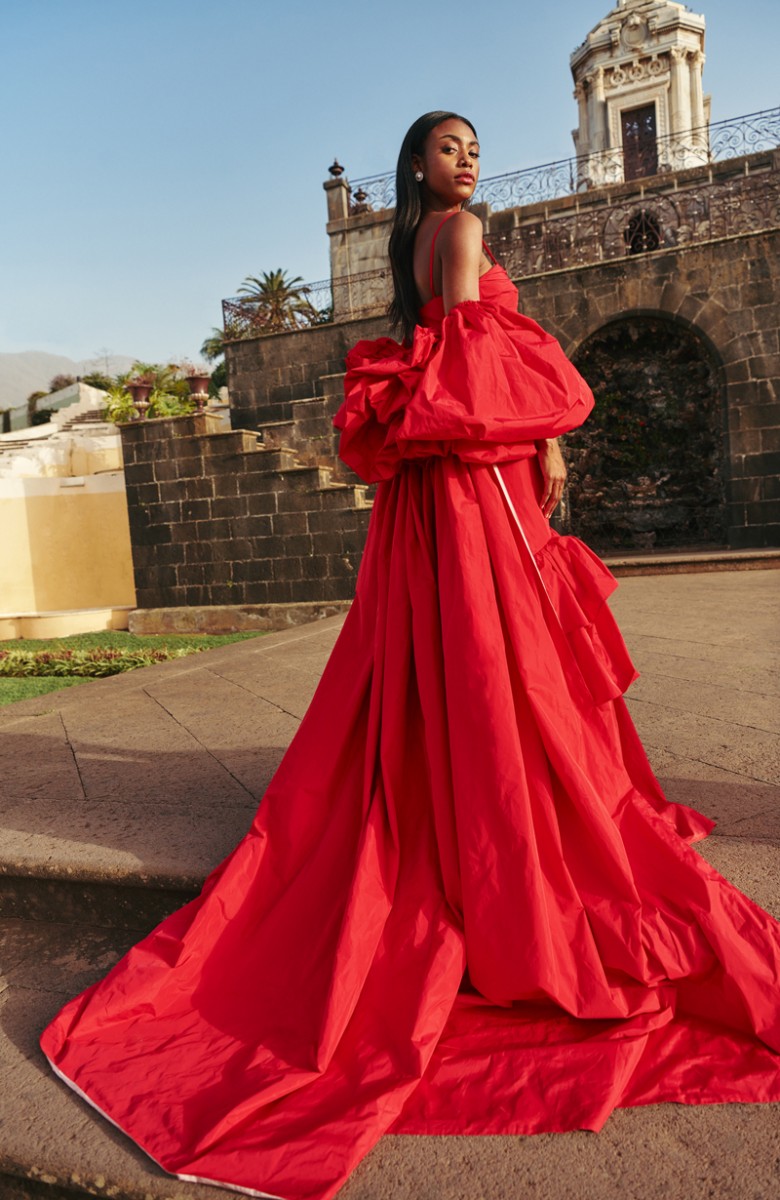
point(647, 469)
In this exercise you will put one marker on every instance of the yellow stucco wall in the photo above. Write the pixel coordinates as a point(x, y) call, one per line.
point(16, 590)
point(65, 544)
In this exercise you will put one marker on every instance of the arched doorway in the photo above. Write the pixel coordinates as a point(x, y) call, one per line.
point(646, 471)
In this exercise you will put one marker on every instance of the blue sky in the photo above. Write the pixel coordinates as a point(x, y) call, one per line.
point(158, 151)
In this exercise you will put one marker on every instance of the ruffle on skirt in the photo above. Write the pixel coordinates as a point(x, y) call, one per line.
point(579, 584)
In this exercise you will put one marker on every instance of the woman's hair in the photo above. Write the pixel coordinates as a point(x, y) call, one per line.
point(404, 306)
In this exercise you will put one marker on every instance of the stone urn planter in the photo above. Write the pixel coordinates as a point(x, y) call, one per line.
point(198, 381)
point(140, 390)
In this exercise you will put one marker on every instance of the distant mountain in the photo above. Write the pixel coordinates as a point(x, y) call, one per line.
point(31, 371)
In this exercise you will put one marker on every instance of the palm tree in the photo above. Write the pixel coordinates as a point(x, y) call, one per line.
point(277, 301)
point(214, 345)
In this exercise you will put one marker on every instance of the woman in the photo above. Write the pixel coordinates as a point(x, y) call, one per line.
point(464, 905)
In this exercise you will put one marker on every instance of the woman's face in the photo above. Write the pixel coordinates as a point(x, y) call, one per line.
point(450, 165)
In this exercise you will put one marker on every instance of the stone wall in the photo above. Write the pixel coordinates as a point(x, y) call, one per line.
point(266, 374)
point(220, 519)
point(726, 292)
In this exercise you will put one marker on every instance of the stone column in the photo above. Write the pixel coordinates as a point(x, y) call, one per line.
point(696, 63)
point(583, 137)
point(680, 100)
point(597, 110)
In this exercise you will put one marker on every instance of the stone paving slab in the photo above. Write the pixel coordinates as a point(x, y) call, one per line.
point(742, 807)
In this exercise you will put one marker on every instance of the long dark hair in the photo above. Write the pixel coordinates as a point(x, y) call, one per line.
point(403, 308)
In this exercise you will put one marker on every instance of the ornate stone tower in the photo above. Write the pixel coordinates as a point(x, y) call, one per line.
point(638, 83)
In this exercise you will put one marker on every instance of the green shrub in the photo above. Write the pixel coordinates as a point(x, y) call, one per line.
point(90, 664)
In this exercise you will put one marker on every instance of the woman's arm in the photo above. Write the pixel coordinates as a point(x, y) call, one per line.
point(460, 246)
point(461, 255)
point(553, 474)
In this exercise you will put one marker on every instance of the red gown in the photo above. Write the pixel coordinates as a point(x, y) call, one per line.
point(464, 905)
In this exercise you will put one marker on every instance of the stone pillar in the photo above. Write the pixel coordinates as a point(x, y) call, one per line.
point(597, 122)
point(680, 99)
point(338, 198)
point(583, 136)
point(698, 119)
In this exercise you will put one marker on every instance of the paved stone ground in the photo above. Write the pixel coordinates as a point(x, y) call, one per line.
point(118, 796)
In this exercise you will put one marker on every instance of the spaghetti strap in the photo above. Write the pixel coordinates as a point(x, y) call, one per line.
point(490, 252)
point(433, 243)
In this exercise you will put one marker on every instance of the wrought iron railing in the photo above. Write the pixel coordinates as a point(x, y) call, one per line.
point(244, 317)
point(350, 296)
point(658, 218)
point(700, 145)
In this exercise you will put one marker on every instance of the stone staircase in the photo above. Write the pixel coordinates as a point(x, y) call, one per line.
point(309, 430)
point(242, 517)
point(11, 444)
point(88, 422)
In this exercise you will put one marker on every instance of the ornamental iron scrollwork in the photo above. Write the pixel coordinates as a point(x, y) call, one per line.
point(632, 228)
point(550, 181)
point(643, 232)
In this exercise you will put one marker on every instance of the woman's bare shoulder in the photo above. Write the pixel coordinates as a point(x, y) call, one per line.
point(462, 231)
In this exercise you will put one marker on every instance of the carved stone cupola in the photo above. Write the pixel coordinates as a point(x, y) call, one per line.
point(638, 83)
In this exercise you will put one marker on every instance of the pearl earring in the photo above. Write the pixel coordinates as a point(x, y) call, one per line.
point(418, 176)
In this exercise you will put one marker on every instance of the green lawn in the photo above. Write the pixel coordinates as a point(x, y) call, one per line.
point(12, 690)
point(23, 689)
point(109, 639)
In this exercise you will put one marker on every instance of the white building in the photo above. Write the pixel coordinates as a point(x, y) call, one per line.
point(638, 84)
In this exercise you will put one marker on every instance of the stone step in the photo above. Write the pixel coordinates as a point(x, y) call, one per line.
point(318, 406)
point(91, 427)
point(276, 434)
point(315, 426)
point(328, 389)
point(277, 458)
point(34, 892)
point(332, 385)
point(87, 418)
point(311, 432)
point(53, 1143)
point(218, 444)
point(687, 562)
point(346, 495)
point(256, 475)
